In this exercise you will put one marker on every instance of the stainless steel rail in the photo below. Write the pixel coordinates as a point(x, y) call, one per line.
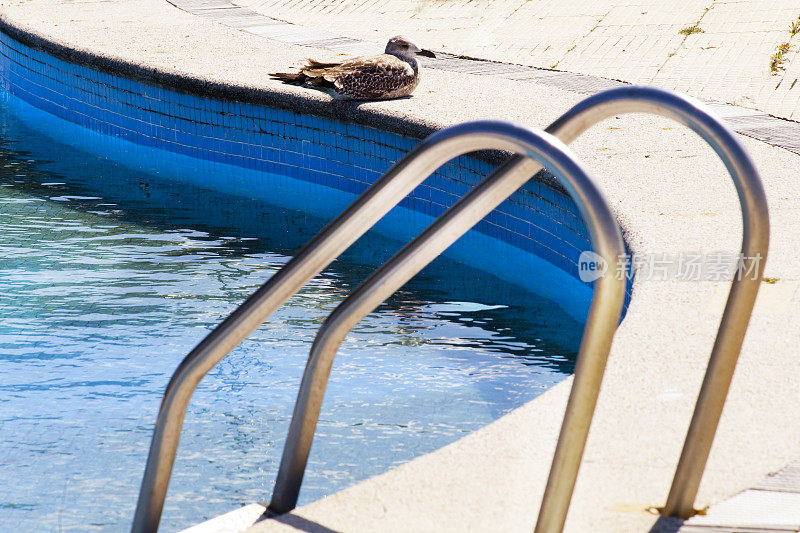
point(468, 211)
point(604, 313)
point(384, 194)
point(332, 241)
point(742, 296)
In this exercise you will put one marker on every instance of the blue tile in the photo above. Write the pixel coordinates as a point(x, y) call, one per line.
point(319, 150)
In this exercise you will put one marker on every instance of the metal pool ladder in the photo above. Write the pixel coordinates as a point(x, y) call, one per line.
point(533, 150)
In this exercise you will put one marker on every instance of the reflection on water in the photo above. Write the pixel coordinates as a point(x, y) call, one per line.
point(111, 275)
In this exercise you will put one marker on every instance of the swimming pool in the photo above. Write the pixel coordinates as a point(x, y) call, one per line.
point(138, 210)
point(111, 274)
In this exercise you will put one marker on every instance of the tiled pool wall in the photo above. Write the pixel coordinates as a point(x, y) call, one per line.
point(537, 223)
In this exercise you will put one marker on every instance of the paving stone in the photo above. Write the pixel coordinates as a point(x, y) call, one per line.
point(754, 510)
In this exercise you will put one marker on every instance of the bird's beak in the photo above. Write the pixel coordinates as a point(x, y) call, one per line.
point(426, 53)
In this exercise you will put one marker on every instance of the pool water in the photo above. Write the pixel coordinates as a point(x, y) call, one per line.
point(110, 275)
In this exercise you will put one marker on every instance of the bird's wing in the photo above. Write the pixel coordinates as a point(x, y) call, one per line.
point(370, 77)
point(313, 63)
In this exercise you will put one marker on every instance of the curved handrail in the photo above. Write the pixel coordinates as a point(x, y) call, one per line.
point(742, 296)
point(328, 244)
point(604, 313)
point(446, 230)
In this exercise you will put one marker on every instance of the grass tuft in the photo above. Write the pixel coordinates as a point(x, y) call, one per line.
point(691, 29)
point(778, 58)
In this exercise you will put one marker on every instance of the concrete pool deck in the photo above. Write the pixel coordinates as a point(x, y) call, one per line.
point(726, 58)
point(671, 196)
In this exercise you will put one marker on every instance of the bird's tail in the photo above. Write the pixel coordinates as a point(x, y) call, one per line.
point(297, 78)
point(313, 73)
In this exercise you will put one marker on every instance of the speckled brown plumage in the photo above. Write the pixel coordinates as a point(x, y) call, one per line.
point(393, 74)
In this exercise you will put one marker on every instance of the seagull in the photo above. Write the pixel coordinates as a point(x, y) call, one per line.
point(392, 74)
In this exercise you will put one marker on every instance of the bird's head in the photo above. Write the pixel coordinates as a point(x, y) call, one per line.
point(402, 47)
